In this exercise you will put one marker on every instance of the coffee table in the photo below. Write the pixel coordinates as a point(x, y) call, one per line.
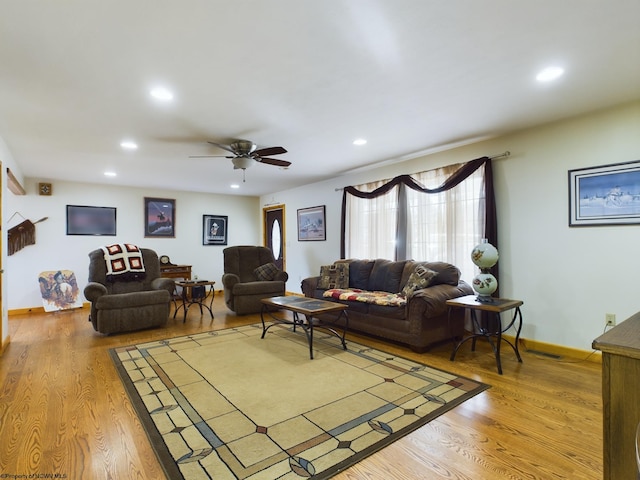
point(310, 308)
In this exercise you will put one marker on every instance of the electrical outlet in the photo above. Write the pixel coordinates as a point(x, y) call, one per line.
point(610, 319)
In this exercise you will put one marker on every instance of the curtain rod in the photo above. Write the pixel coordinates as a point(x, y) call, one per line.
point(501, 155)
point(493, 157)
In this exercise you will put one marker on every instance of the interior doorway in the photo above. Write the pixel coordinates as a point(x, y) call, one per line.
point(274, 233)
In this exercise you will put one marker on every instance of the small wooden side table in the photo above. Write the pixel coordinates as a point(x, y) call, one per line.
point(190, 297)
point(489, 326)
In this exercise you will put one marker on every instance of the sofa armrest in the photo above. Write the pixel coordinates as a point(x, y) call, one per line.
point(229, 280)
point(309, 285)
point(162, 283)
point(432, 301)
point(94, 290)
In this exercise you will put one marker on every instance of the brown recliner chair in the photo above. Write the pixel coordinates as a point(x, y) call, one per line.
point(250, 275)
point(120, 305)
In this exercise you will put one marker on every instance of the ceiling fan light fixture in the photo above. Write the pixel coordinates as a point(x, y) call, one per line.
point(242, 162)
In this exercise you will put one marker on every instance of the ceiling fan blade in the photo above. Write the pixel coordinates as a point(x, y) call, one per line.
point(273, 161)
point(224, 147)
point(269, 151)
point(210, 156)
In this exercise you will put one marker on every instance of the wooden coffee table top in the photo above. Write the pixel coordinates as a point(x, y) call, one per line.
point(304, 305)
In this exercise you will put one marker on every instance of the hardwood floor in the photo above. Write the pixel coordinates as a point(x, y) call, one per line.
point(63, 410)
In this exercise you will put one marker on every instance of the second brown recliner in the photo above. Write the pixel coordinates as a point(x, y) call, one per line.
point(250, 274)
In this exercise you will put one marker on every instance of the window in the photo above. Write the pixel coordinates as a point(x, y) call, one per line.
point(421, 217)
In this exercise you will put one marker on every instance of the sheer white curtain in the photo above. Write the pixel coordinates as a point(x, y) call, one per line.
point(439, 226)
point(446, 226)
point(370, 227)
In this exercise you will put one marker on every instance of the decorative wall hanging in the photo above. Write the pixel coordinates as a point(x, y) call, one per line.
point(605, 195)
point(214, 229)
point(22, 235)
point(311, 224)
point(159, 217)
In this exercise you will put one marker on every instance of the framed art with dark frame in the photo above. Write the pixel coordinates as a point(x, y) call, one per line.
point(214, 229)
point(159, 217)
point(311, 224)
point(605, 195)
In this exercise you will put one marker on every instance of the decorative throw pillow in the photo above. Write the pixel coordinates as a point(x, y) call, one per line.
point(421, 277)
point(334, 276)
point(266, 272)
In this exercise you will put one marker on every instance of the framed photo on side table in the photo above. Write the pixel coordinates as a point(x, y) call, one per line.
point(311, 224)
point(214, 229)
point(159, 217)
point(605, 195)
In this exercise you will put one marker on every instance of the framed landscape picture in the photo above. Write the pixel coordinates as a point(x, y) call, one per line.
point(159, 217)
point(214, 229)
point(311, 224)
point(605, 195)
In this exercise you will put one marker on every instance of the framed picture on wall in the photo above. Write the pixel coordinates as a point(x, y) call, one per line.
point(311, 224)
point(605, 195)
point(159, 217)
point(214, 229)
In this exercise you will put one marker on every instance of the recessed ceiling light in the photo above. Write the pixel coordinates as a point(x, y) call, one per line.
point(161, 93)
point(234, 185)
point(109, 174)
point(359, 141)
point(129, 145)
point(549, 74)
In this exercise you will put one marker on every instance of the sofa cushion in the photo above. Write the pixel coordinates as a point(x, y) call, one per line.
point(334, 276)
point(386, 275)
point(359, 271)
point(447, 274)
point(266, 272)
point(421, 277)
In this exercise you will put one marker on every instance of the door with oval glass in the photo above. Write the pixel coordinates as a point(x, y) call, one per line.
point(274, 237)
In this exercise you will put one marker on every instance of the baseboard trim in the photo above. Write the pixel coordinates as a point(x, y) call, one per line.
point(557, 352)
point(28, 310)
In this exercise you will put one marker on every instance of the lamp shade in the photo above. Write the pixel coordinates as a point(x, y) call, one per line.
point(484, 255)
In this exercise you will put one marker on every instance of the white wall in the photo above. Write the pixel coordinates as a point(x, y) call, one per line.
point(55, 250)
point(567, 277)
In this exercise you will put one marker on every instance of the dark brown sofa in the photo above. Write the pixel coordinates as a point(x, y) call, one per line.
point(422, 322)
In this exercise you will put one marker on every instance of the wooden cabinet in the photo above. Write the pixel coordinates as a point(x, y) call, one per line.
point(620, 348)
point(176, 271)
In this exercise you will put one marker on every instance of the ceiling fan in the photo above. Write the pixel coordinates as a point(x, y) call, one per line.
point(245, 153)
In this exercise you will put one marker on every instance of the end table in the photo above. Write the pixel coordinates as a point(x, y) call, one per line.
point(489, 326)
point(195, 293)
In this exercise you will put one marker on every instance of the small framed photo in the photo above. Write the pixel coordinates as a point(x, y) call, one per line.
point(605, 195)
point(159, 217)
point(214, 229)
point(311, 224)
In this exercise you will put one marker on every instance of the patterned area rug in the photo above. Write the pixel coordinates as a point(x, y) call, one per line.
point(230, 405)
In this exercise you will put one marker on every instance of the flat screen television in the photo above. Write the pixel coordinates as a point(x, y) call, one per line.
point(86, 220)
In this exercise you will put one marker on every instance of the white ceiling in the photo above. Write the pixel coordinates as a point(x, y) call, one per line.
point(311, 76)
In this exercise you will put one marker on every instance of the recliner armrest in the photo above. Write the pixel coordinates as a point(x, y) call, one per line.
point(229, 280)
point(161, 283)
point(94, 290)
point(281, 276)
